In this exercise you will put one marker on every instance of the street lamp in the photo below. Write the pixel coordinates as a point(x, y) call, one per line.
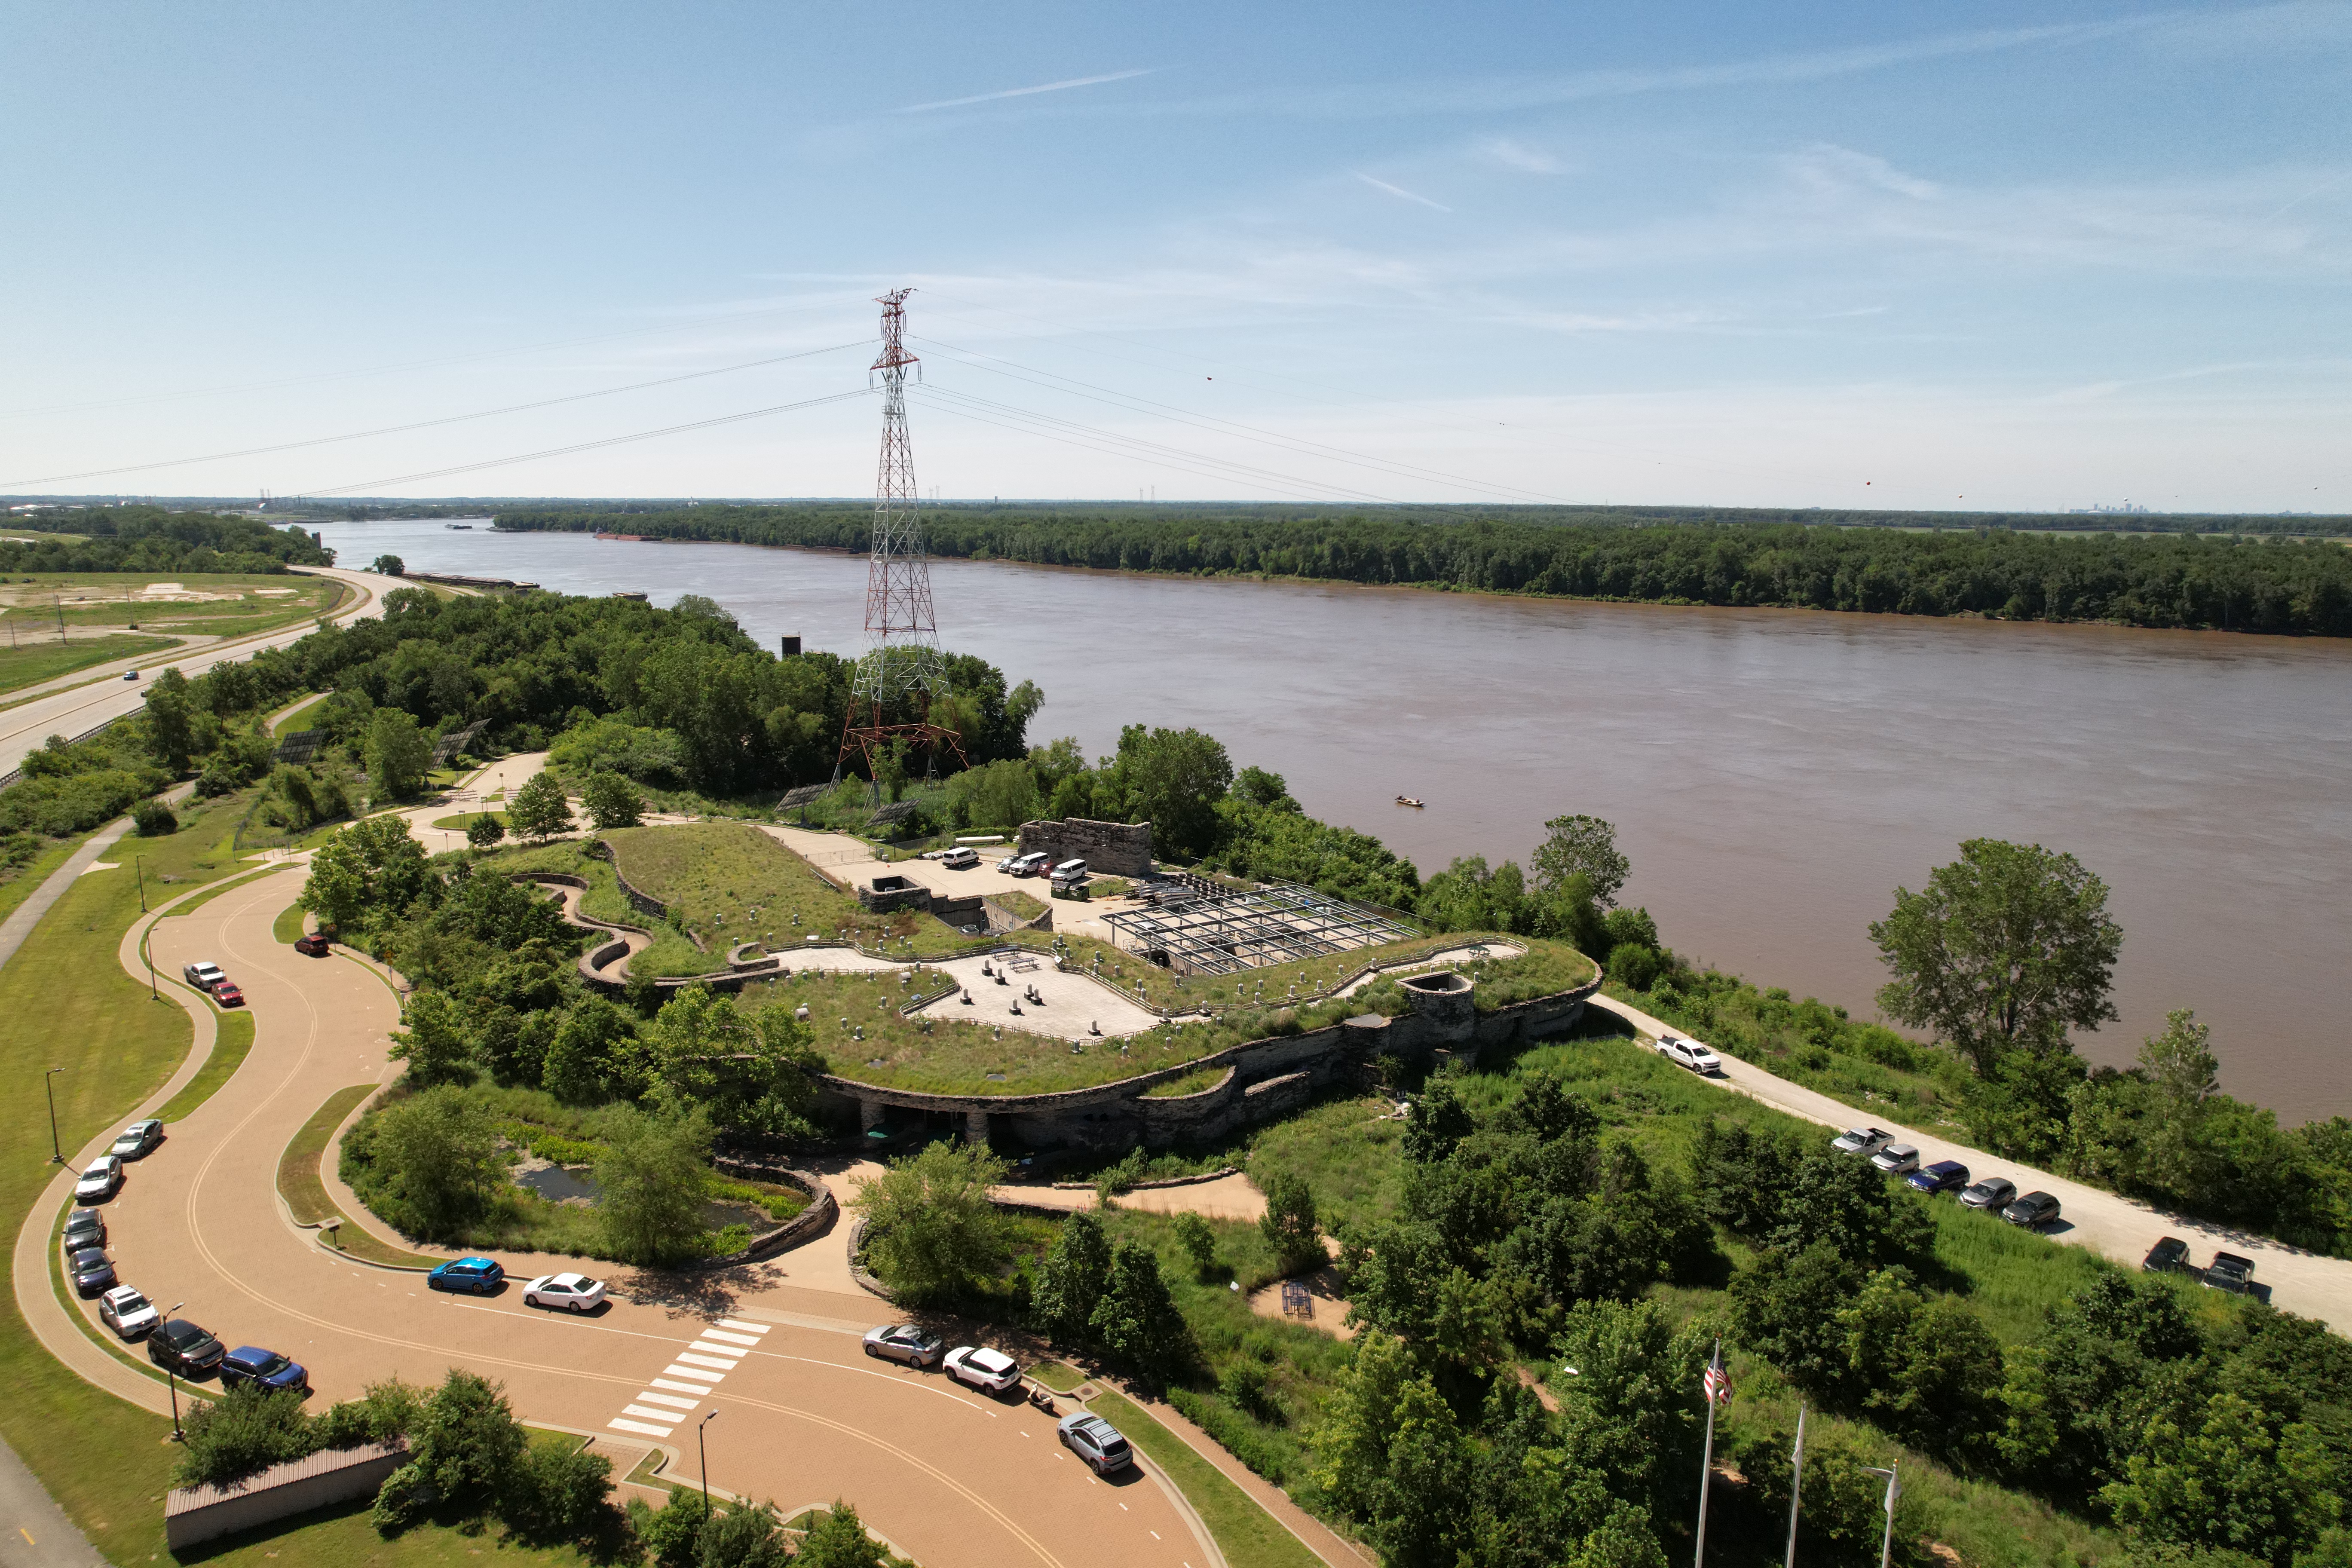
point(139, 865)
point(57, 1154)
point(1893, 1491)
point(171, 1375)
point(702, 1456)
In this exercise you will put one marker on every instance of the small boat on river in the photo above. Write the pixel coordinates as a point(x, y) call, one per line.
point(1408, 800)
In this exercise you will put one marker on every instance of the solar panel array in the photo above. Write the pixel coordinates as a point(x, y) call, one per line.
point(301, 745)
point(807, 794)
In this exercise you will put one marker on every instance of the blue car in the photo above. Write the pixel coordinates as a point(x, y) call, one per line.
point(251, 1363)
point(1943, 1176)
point(479, 1275)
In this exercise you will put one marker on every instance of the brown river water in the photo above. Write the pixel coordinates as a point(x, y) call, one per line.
point(1773, 774)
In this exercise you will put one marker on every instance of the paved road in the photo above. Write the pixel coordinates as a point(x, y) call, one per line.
point(82, 708)
point(2117, 1227)
point(34, 1530)
point(803, 1415)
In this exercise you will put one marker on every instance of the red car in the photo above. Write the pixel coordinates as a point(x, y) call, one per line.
point(314, 944)
point(226, 994)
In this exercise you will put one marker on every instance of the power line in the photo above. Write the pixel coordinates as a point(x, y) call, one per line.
point(588, 445)
point(430, 424)
point(828, 303)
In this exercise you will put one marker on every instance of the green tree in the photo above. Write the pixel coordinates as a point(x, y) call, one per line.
point(170, 727)
point(155, 819)
point(651, 1183)
point(2232, 1476)
point(1199, 1242)
point(931, 1232)
point(612, 801)
point(1289, 1223)
point(1391, 1455)
point(1136, 1322)
point(485, 831)
point(594, 1055)
point(538, 809)
point(1070, 1281)
point(750, 1070)
point(397, 756)
point(466, 1441)
point(433, 1040)
point(1173, 778)
point(2009, 947)
point(1581, 846)
point(251, 1429)
point(836, 1538)
point(389, 565)
point(674, 1533)
point(436, 1155)
point(744, 1537)
point(1438, 1122)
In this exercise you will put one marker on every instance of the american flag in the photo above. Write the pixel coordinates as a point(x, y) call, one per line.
point(1717, 1382)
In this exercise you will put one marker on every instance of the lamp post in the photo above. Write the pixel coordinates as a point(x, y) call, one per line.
point(57, 1154)
point(171, 1375)
point(139, 866)
point(1893, 1491)
point(702, 1456)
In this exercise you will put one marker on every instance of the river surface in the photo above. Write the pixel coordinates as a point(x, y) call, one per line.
point(1773, 774)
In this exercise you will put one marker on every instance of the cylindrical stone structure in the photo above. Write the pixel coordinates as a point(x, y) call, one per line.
point(1446, 1002)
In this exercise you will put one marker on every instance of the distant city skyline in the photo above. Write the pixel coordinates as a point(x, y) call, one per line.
point(2007, 258)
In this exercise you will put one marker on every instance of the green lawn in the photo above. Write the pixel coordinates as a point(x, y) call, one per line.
point(246, 602)
point(35, 662)
point(231, 1041)
point(1247, 1535)
point(292, 922)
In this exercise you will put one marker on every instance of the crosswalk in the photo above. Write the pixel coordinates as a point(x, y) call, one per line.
point(687, 1381)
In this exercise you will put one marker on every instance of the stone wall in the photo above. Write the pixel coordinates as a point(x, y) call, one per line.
point(1114, 847)
point(890, 892)
point(193, 1514)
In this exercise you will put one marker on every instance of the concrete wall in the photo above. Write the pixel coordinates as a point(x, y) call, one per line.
point(1115, 848)
point(892, 892)
point(192, 1514)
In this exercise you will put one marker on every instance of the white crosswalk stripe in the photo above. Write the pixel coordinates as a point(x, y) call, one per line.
point(698, 1368)
point(669, 1399)
point(744, 1327)
point(640, 1427)
point(713, 1363)
point(693, 1372)
point(708, 1348)
point(747, 1340)
point(675, 1387)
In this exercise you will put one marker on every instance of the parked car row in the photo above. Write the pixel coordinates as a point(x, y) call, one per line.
point(1999, 1194)
point(2229, 1271)
point(208, 978)
point(1089, 1436)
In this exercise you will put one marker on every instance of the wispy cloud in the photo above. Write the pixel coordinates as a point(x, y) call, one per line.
point(1518, 155)
point(1024, 91)
point(1401, 191)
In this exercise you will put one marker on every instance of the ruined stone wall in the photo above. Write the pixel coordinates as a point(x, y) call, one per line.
point(1118, 848)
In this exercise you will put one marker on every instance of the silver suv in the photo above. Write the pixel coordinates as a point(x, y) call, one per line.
point(1095, 1441)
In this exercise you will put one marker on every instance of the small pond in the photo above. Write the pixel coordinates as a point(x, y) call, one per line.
point(558, 1184)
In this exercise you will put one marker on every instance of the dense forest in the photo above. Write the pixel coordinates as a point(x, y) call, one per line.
point(149, 538)
point(2297, 586)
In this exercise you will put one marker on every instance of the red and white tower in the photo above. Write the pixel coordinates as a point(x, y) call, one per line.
point(899, 677)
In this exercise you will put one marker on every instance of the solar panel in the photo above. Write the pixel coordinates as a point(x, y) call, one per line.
point(302, 746)
point(807, 794)
point(897, 811)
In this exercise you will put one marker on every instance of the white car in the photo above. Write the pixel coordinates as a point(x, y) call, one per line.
point(564, 1292)
point(1689, 1054)
point(991, 1372)
point(1862, 1141)
point(962, 858)
point(202, 975)
point(102, 1181)
point(1897, 1159)
point(1028, 865)
point(126, 1311)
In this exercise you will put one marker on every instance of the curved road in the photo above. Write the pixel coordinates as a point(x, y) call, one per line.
point(948, 1475)
point(82, 707)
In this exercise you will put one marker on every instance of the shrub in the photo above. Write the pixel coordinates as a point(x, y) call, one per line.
point(155, 819)
point(248, 1431)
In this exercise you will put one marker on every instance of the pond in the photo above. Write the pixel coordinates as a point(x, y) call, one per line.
point(560, 1185)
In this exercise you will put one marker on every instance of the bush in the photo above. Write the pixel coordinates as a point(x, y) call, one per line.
point(248, 1431)
point(1199, 1242)
point(155, 819)
point(931, 1232)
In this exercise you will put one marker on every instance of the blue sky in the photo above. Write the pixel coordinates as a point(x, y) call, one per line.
point(1997, 255)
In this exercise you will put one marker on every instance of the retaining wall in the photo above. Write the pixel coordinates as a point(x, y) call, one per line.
point(193, 1514)
point(1118, 847)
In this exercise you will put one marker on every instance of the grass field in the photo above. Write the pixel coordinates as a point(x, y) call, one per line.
point(34, 663)
point(1247, 1535)
point(235, 606)
point(291, 923)
point(728, 882)
point(232, 1042)
point(305, 1193)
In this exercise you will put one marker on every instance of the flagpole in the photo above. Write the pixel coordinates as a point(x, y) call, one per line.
point(1707, 1463)
point(1796, 1482)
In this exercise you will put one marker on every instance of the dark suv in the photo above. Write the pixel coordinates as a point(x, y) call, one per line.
point(180, 1346)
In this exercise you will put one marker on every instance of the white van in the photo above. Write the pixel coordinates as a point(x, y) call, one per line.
point(1069, 874)
point(1029, 865)
point(960, 857)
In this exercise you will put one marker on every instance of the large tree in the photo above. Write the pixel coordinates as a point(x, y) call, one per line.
point(538, 809)
point(1173, 778)
point(650, 1186)
point(931, 1230)
point(1581, 846)
point(397, 756)
point(2007, 949)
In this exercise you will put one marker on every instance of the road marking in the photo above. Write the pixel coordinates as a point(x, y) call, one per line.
point(669, 1399)
point(729, 1351)
point(27, 1535)
point(639, 1426)
point(745, 1339)
point(690, 1359)
point(693, 1372)
point(747, 1328)
point(649, 1414)
point(679, 1387)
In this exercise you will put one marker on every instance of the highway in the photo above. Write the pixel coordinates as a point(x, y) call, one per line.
point(89, 697)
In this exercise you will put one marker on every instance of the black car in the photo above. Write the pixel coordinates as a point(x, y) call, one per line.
point(2230, 1272)
point(2031, 1211)
point(85, 1228)
point(92, 1270)
point(2170, 1256)
point(180, 1346)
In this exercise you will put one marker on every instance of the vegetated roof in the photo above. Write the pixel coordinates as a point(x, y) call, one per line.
point(325, 1462)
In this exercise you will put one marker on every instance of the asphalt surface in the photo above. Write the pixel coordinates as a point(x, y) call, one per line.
point(81, 708)
point(2117, 1227)
point(802, 1416)
point(34, 1530)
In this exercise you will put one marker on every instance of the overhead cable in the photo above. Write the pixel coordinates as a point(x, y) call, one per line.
point(430, 424)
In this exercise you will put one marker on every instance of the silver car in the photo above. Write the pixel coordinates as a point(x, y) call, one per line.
point(1095, 1441)
point(1862, 1141)
point(137, 1139)
point(1993, 1192)
point(101, 1181)
point(126, 1311)
point(904, 1343)
point(1897, 1159)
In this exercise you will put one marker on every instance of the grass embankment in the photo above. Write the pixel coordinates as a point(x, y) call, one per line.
point(948, 1048)
point(19, 881)
point(31, 664)
point(465, 819)
point(290, 925)
point(1247, 1535)
point(299, 1183)
point(1057, 1376)
point(234, 606)
point(670, 952)
point(727, 882)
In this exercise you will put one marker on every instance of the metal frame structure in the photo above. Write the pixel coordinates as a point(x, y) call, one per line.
point(901, 659)
point(1236, 931)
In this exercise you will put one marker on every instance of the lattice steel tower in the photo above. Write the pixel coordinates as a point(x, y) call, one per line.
point(899, 675)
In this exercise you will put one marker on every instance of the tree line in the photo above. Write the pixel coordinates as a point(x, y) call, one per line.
point(2222, 583)
point(149, 538)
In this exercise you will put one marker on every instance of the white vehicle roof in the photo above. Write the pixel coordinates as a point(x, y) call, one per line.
point(124, 1295)
point(985, 1359)
point(101, 1166)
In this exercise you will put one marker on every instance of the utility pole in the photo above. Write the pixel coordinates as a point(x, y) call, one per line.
point(1796, 1482)
point(48, 1079)
point(1893, 1491)
point(900, 666)
point(139, 866)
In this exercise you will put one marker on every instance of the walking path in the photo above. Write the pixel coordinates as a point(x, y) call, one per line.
point(2117, 1227)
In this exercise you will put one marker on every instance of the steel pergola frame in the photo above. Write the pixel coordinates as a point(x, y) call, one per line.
point(1232, 933)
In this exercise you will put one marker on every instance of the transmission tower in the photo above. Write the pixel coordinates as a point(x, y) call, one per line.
point(899, 677)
